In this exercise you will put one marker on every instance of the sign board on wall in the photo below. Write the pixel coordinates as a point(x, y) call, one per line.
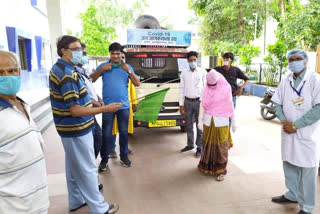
point(158, 37)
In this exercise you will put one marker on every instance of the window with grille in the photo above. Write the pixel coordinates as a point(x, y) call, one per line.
point(153, 62)
point(22, 54)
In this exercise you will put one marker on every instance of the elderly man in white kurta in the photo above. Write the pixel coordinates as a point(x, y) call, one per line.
point(298, 108)
point(23, 177)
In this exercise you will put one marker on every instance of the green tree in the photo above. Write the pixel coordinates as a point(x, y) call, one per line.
point(100, 19)
point(220, 47)
point(299, 25)
point(229, 21)
point(246, 54)
point(96, 36)
point(276, 60)
point(112, 13)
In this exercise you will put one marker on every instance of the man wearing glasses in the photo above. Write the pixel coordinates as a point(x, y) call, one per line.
point(72, 113)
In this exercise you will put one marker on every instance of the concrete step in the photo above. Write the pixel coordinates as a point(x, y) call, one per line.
point(41, 111)
point(39, 102)
point(45, 122)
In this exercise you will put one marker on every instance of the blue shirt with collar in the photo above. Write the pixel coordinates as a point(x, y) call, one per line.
point(115, 85)
point(4, 104)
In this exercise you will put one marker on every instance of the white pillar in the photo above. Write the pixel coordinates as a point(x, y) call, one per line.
point(55, 25)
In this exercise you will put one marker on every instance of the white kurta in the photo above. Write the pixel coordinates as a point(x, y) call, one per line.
point(303, 147)
point(23, 178)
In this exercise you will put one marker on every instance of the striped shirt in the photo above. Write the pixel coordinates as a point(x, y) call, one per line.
point(67, 89)
point(23, 177)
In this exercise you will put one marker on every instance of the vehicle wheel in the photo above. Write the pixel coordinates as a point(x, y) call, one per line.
point(266, 114)
point(183, 128)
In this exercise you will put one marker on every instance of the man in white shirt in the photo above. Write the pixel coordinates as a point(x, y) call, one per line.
point(192, 82)
point(297, 103)
point(23, 176)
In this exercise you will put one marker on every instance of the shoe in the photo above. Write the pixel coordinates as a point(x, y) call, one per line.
point(100, 187)
point(125, 161)
point(113, 208)
point(282, 199)
point(187, 148)
point(84, 204)
point(113, 154)
point(103, 166)
point(198, 153)
point(303, 212)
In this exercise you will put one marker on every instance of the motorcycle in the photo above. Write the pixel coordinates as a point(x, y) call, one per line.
point(267, 106)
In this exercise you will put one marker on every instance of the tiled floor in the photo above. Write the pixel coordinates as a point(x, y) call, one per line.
point(164, 181)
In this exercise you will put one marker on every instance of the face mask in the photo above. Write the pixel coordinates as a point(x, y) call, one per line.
point(296, 66)
point(115, 65)
point(9, 85)
point(192, 65)
point(84, 60)
point(226, 63)
point(76, 57)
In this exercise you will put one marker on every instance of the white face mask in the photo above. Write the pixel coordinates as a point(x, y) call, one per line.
point(226, 63)
point(296, 66)
point(193, 65)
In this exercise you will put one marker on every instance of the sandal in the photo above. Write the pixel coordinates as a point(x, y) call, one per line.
point(220, 177)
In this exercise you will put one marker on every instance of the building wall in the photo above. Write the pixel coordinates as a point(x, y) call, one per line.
point(27, 20)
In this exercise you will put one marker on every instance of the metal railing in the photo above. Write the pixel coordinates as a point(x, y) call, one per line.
point(264, 73)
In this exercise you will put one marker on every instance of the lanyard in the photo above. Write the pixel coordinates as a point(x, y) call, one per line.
point(298, 92)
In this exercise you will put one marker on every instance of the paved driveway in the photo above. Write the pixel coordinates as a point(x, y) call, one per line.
point(162, 180)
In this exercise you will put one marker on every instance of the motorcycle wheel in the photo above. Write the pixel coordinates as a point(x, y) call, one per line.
point(266, 114)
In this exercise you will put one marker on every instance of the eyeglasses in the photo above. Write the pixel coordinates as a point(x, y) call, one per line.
point(75, 49)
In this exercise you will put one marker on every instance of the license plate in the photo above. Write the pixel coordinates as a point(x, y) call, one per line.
point(163, 123)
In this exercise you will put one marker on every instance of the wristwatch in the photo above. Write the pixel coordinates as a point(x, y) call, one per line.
point(129, 72)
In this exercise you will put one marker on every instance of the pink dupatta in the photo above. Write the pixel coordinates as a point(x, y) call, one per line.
point(217, 101)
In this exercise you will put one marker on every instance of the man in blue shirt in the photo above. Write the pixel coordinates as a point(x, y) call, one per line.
point(115, 77)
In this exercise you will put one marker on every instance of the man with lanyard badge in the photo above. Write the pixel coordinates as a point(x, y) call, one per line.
point(297, 101)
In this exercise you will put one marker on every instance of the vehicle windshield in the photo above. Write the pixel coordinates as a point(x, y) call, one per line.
point(155, 70)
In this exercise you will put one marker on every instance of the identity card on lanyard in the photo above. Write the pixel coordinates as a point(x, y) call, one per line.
point(298, 103)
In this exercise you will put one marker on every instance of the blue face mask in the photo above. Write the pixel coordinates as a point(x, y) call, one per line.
point(9, 85)
point(76, 57)
point(193, 65)
point(296, 66)
point(84, 60)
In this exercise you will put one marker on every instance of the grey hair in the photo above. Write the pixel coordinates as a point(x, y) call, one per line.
point(12, 55)
point(297, 52)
